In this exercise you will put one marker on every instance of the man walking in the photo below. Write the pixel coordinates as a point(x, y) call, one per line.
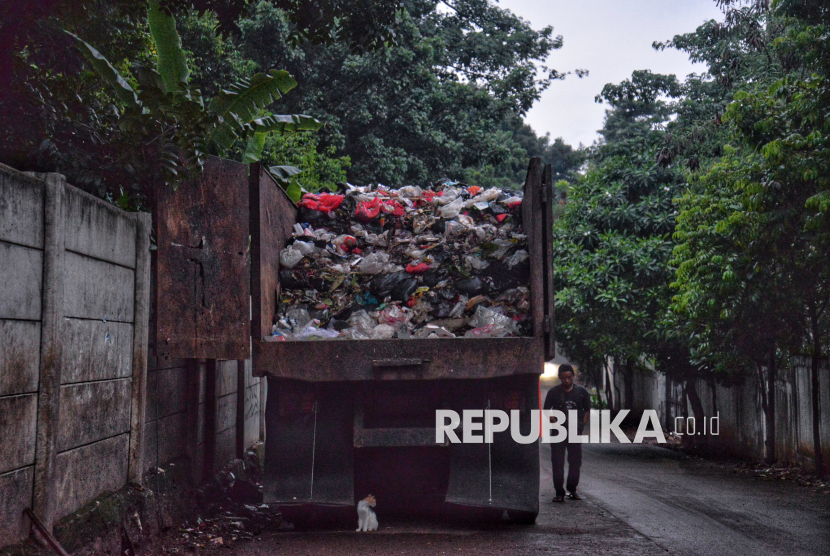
point(565, 397)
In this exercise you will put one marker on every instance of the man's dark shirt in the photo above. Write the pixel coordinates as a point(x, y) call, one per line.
point(578, 398)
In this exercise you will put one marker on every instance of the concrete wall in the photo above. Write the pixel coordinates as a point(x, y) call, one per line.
point(86, 405)
point(741, 415)
point(21, 272)
point(206, 410)
point(71, 370)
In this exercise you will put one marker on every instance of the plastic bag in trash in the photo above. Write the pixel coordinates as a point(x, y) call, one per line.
point(488, 331)
point(518, 257)
point(311, 331)
point(453, 209)
point(289, 257)
point(324, 202)
point(383, 332)
point(374, 263)
point(303, 247)
point(404, 289)
point(393, 315)
point(432, 331)
point(298, 318)
point(484, 316)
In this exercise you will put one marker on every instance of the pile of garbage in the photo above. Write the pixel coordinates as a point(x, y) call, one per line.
point(231, 510)
point(378, 263)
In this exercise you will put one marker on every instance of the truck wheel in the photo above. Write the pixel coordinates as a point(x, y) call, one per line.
point(522, 518)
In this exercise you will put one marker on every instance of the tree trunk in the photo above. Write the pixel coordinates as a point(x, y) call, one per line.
point(697, 409)
point(669, 421)
point(694, 400)
point(815, 386)
point(769, 409)
point(629, 384)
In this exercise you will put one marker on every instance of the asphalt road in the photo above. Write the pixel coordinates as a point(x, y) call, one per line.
point(692, 507)
point(639, 500)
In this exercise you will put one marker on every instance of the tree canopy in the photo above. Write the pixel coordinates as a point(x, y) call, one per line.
point(407, 92)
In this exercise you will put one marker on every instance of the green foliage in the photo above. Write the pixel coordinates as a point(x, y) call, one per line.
point(612, 249)
point(445, 97)
point(754, 233)
point(613, 239)
point(60, 115)
point(320, 170)
point(171, 65)
point(168, 103)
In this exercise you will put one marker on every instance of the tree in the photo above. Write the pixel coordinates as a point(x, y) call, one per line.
point(446, 97)
point(71, 114)
point(752, 277)
point(172, 112)
point(613, 242)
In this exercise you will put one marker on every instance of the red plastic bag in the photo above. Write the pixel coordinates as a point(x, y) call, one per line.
point(349, 244)
point(473, 190)
point(367, 210)
point(393, 207)
point(413, 268)
point(323, 202)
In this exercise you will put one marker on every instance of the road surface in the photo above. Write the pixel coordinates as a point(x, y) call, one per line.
point(689, 506)
point(639, 500)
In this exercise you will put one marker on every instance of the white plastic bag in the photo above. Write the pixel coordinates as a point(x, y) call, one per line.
point(303, 247)
point(383, 332)
point(519, 256)
point(289, 257)
point(453, 209)
point(374, 263)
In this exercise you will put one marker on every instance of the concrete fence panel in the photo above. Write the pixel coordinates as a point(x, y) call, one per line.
point(73, 325)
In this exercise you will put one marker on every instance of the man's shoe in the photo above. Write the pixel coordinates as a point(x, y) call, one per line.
point(558, 498)
point(574, 496)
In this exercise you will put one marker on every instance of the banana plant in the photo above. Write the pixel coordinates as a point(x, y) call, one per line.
point(166, 106)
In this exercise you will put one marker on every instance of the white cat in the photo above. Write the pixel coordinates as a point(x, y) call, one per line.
point(366, 518)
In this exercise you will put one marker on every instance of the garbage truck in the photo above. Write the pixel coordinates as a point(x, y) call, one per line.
point(348, 418)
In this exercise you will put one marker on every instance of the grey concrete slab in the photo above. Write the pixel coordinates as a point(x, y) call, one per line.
point(21, 273)
point(98, 229)
point(15, 495)
point(89, 471)
point(19, 356)
point(18, 426)
point(98, 290)
point(21, 208)
point(96, 350)
point(93, 411)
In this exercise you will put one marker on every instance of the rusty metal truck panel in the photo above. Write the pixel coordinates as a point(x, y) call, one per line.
point(426, 359)
point(203, 280)
point(273, 215)
point(309, 449)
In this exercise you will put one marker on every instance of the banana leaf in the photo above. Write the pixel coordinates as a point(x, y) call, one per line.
point(172, 64)
point(122, 89)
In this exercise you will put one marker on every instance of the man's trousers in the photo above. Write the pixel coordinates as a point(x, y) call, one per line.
point(557, 458)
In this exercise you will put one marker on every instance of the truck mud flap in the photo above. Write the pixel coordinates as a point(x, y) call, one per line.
point(308, 448)
point(506, 478)
point(504, 474)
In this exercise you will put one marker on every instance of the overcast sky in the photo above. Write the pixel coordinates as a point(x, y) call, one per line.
point(611, 39)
